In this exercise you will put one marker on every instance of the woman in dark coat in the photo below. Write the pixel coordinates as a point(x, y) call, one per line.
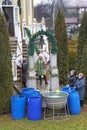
point(80, 87)
point(24, 71)
point(72, 78)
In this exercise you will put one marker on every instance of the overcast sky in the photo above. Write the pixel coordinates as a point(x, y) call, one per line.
point(38, 1)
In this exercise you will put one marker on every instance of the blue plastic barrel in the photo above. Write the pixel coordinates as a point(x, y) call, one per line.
point(68, 89)
point(34, 94)
point(18, 106)
point(73, 100)
point(35, 108)
point(26, 92)
point(74, 103)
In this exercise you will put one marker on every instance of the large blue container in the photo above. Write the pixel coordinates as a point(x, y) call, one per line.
point(26, 92)
point(35, 108)
point(34, 94)
point(68, 89)
point(18, 107)
point(30, 92)
point(73, 100)
point(74, 103)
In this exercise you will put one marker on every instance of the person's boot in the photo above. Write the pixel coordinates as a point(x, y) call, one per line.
point(45, 80)
point(40, 80)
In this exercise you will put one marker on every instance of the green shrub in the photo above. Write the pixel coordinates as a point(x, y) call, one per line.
point(61, 37)
point(82, 48)
point(5, 67)
point(72, 46)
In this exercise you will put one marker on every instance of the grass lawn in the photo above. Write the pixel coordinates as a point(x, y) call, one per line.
point(76, 122)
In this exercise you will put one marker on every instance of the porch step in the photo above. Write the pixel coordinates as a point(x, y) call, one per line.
point(25, 49)
point(13, 43)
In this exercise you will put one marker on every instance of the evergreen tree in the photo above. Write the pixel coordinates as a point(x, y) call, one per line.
point(82, 48)
point(61, 37)
point(72, 47)
point(5, 68)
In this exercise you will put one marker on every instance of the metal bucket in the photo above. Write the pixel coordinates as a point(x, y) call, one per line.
point(55, 99)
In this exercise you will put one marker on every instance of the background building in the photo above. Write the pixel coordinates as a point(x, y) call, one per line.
point(72, 9)
point(18, 13)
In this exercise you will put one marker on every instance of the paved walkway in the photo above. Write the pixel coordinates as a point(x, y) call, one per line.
point(43, 88)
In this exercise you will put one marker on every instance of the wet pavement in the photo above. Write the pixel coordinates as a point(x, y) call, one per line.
point(44, 87)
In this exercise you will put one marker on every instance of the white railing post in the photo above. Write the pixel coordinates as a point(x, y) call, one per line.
point(14, 68)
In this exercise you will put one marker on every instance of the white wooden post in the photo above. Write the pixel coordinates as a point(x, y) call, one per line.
point(14, 68)
point(31, 79)
point(54, 77)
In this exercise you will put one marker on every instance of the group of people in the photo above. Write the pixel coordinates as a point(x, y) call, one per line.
point(78, 81)
point(41, 67)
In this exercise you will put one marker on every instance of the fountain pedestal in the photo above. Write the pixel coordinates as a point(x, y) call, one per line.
point(54, 76)
point(31, 79)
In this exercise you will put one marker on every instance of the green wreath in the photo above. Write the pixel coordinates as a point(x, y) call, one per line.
point(33, 47)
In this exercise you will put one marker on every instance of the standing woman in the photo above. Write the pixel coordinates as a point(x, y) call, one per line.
point(80, 87)
point(24, 71)
point(41, 69)
point(72, 78)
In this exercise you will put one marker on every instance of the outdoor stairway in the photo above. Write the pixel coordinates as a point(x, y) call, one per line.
point(25, 49)
point(13, 43)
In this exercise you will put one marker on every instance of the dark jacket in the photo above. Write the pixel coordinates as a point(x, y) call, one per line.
point(80, 86)
point(72, 80)
point(24, 70)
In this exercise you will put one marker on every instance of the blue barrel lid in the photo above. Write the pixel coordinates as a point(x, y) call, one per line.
point(68, 89)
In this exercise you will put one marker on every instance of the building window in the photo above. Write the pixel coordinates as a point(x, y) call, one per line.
point(7, 2)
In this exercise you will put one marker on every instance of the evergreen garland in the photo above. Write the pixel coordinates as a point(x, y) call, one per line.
point(32, 45)
point(28, 32)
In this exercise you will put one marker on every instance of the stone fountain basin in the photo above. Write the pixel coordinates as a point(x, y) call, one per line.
point(55, 100)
